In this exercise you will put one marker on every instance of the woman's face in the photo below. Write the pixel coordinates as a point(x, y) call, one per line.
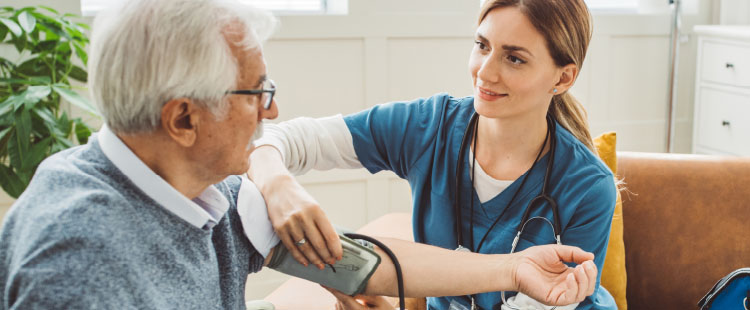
point(511, 68)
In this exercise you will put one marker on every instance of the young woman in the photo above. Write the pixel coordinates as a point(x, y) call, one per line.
point(474, 164)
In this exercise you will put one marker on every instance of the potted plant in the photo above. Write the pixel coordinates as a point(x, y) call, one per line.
point(33, 125)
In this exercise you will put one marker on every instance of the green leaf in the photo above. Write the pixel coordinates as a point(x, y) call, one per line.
point(64, 125)
point(36, 154)
point(63, 47)
point(18, 147)
point(32, 80)
point(50, 24)
point(27, 21)
point(74, 98)
point(4, 132)
point(11, 183)
point(33, 67)
point(20, 43)
point(84, 26)
point(49, 121)
point(81, 52)
point(60, 144)
point(49, 9)
point(79, 74)
point(4, 138)
point(6, 107)
point(44, 46)
point(83, 131)
point(3, 32)
point(29, 97)
point(12, 26)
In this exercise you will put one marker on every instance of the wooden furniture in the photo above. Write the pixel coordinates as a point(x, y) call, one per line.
point(722, 91)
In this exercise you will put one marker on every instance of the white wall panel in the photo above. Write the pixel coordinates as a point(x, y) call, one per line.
point(345, 203)
point(400, 195)
point(316, 77)
point(641, 136)
point(421, 67)
point(638, 80)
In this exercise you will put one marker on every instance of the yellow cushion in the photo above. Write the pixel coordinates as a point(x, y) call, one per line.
point(614, 277)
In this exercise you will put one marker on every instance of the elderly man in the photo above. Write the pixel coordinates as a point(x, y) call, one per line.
point(145, 216)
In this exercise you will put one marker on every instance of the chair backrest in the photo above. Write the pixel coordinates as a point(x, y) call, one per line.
point(687, 224)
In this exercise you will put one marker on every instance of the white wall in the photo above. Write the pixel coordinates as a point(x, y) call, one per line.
point(399, 50)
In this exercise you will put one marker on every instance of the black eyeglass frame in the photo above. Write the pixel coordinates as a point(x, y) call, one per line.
point(272, 92)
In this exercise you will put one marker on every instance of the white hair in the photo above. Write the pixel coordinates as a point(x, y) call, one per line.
point(147, 52)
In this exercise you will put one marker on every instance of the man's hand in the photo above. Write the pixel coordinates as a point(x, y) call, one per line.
point(359, 302)
point(541, 274)
point(295, 215)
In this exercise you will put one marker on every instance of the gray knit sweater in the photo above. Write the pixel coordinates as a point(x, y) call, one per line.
point(82, 236)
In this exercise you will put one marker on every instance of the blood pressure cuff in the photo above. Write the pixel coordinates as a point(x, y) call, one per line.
point(348, 275)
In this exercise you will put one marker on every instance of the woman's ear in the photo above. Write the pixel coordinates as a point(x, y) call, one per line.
point(567, 78)
point(180, 119)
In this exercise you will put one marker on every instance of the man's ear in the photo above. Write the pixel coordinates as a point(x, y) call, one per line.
point(568, 75)
point(180, 118)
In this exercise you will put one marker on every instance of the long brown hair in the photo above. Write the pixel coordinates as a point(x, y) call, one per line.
point(566, 26)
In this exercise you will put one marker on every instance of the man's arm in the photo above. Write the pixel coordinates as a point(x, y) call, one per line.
point(539, 272)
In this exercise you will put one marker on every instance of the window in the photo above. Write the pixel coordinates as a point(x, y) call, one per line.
point(298, 6)
point(91, 7)
point(613, 5)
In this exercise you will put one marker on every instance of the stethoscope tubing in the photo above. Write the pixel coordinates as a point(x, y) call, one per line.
point(536, 201)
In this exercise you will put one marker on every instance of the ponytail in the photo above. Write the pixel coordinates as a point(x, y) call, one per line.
point(570, 114)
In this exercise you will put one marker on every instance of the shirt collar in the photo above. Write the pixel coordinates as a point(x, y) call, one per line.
point(203, 212)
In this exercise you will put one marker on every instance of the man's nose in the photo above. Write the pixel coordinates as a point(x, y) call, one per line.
point(272, 112)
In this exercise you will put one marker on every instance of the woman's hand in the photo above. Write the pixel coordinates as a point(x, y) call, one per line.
point(541, 274)
point(359, 302)
point(295, 216)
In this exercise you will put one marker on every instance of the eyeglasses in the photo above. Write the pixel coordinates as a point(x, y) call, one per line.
point(267, 91)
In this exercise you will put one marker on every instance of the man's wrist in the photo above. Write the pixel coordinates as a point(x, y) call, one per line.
point(507, 265)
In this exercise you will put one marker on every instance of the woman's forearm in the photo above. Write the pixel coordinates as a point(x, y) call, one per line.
point(434, 271)
point(266, 165)
point(311, 143)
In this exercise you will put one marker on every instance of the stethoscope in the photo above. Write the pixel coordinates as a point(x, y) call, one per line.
point(538, 201)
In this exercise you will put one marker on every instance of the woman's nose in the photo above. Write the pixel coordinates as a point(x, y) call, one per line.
point(489, 71)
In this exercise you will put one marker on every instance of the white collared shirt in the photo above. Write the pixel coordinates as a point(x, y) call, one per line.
point(206, 210)
point(203, 212)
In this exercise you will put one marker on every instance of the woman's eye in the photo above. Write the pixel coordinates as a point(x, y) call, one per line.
point(515, 60)
point(480, 45)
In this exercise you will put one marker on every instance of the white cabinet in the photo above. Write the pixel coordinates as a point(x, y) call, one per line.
point(722, 91)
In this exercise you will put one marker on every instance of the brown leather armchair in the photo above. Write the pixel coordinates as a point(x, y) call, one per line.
point(686, 219)
point(687, 224)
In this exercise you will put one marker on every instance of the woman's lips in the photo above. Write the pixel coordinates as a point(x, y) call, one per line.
point(488, 95)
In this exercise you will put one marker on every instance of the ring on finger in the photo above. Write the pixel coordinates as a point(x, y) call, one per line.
point(301, 242)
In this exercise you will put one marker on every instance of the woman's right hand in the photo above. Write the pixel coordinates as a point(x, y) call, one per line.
point(294, 213)
point(359, 302)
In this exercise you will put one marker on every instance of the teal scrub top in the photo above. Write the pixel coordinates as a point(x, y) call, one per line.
point(420, 141)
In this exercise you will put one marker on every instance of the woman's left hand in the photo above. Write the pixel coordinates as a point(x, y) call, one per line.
point(360, 302)
point(541, 273)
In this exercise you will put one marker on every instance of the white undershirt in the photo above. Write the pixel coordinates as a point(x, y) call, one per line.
point(326, 143)
point(486, 186)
